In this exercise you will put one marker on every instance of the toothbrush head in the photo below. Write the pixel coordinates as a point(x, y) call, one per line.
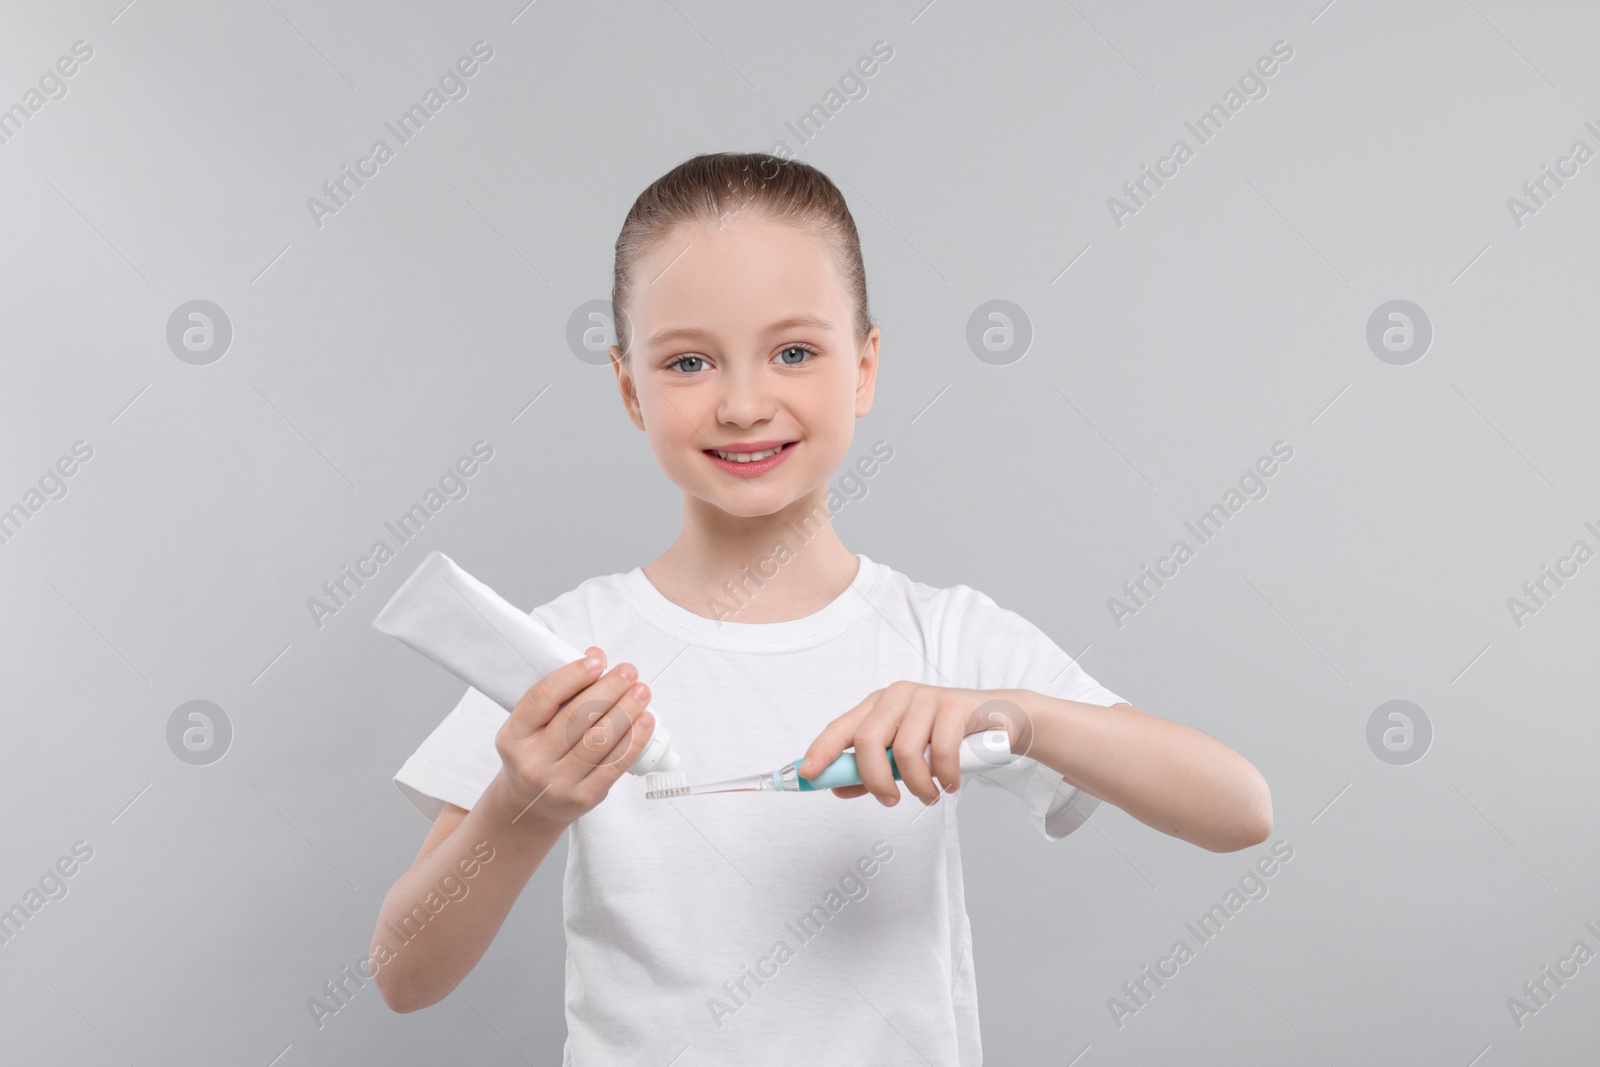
point(665, 785)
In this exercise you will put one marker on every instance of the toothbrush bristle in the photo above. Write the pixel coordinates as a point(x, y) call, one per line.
point(664, 785)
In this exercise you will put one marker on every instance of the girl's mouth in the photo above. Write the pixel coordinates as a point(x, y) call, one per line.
point(754, 467)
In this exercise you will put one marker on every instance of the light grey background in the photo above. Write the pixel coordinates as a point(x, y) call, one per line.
point(431, 312)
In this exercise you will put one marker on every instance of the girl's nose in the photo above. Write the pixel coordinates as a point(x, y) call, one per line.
point(746, 397)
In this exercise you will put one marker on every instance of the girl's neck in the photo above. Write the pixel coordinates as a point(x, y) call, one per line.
point(769, 568)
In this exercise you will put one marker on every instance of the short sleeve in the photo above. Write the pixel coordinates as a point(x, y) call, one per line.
point(458, 760)
point(1000, 649)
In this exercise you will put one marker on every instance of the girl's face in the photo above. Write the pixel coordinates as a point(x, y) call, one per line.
point(743, 340)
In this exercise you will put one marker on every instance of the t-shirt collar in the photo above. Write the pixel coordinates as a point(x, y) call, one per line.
point(727, 634)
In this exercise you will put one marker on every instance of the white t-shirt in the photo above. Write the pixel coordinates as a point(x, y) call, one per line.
point(742, 928)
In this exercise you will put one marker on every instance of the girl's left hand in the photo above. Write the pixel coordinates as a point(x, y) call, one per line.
point(908, 717)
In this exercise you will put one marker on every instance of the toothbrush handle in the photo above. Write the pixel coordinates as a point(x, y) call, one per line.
point(979, 752)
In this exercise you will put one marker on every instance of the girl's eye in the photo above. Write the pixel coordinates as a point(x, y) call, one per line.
point(802, 349)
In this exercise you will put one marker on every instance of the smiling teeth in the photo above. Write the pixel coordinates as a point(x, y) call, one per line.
point(749, 457)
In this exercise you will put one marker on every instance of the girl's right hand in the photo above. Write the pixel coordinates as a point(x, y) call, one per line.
point(572, 735)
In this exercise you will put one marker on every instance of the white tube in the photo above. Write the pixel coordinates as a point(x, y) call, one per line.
point(474, 633)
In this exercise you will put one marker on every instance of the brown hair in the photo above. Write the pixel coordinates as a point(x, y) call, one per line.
point(713, 187)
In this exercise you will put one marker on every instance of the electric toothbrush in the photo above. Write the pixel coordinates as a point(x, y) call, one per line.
point(979, 752)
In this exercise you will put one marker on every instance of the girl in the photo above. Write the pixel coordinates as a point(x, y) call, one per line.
point(766, 927)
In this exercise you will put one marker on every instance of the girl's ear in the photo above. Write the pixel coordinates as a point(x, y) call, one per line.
point(626, 386)
point(867, 372)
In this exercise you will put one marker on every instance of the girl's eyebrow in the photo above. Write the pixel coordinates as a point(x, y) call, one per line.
point(695, 333)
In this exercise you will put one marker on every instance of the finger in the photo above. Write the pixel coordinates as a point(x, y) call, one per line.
point(911, 744)
point(873, 737)
point(605, 740)
point(949, 731)
point(546, 696)
point(850, 791)
point(589, 726)
point(835, 738)
point(633, 729)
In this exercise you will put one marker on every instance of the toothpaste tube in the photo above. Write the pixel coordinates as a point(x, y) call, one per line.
point(467, 628)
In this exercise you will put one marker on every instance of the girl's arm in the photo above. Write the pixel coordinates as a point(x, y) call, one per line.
point(1164, 774)
point(446, 945)
point(568, 740)
point(1167, 775)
